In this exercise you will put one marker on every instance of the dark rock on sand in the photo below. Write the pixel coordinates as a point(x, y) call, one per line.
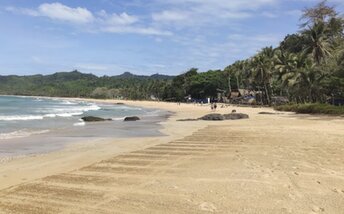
point(94, 119)
point(189, 119)
point(213, 117)
point(233, 111)
point(134, 118)
point(119, 103)
point(232, 116)
point(266, 113)
point(235, 116)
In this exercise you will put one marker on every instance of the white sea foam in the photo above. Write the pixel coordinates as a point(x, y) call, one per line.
point(154, 113)
point(20, 134)
point(21, 117)
point(69, 114)
point(79, 124)
point(52, 113)
point(66, 102)
point(118, 118)
point(70, 109)
point(128, 108)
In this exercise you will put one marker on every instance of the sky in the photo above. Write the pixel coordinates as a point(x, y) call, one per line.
point(109, 37)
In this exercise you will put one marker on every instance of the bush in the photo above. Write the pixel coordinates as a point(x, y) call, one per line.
point(312, 108)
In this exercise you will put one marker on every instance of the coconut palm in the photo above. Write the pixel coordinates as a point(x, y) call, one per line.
point(284, 63)
point(287, 66)
point(306, 82)
point(317, 42)
point(322, 12)
point(263, 66)
point(238, 70)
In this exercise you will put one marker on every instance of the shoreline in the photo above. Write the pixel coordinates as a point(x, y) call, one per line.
point(82, 152)
point(86, 152)
point(34, 143)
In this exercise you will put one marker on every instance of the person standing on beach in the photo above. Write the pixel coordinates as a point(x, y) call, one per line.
point(215, 106)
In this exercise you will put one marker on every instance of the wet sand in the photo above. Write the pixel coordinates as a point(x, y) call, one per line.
point(57, 139)
point(283, 163)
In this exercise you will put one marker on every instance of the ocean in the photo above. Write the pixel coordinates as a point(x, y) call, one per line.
point(30, 125)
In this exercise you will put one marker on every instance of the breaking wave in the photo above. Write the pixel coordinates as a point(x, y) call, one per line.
point(52, 113)
point(20, 134)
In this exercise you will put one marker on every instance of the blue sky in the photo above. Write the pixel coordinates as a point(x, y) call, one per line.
point(109, 37)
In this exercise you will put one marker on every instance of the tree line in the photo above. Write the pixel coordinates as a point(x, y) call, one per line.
point(76, 84)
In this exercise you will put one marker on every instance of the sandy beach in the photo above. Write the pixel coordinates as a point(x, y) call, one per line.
point(269, 163)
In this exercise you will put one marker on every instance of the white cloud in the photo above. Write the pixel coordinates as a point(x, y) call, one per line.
point(206, 54)
point(98, 22)
point(186, 13)
point(57, 11)
point(137, 30)
point(62, 12)
point(233, 5)
point(169, 15)
point(124, 23)
point(235, 15)
point(117, 19)
point(216, 7)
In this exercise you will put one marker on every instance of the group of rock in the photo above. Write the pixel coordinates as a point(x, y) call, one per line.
point(215, 116)
point(99, 119)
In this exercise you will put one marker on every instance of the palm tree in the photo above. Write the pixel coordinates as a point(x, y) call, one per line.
point(284, 63)
point(263, 66)
point(238, 69)
point(228, 71)
point(317, 42)
point(306, 82)
point(287, 66)
point(319, 13)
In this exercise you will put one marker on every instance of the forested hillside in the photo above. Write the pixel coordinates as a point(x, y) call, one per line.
point(76, 84)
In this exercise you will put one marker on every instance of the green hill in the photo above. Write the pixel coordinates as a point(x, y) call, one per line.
point(77, 84)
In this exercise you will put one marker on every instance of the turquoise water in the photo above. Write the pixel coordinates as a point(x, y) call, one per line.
point(31, 125)
point(26, 116)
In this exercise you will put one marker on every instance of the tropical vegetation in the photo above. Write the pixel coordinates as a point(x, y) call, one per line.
point(76, 84)
point(312, 108)
point(308, 66)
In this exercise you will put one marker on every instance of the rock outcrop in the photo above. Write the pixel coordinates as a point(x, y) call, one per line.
point(219, 117)
point(213, 117)
point(235, 116)
point(267, 113)
point(134, 118)
point(94, 119)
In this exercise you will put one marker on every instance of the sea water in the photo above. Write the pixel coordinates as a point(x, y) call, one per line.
point(31, 125)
